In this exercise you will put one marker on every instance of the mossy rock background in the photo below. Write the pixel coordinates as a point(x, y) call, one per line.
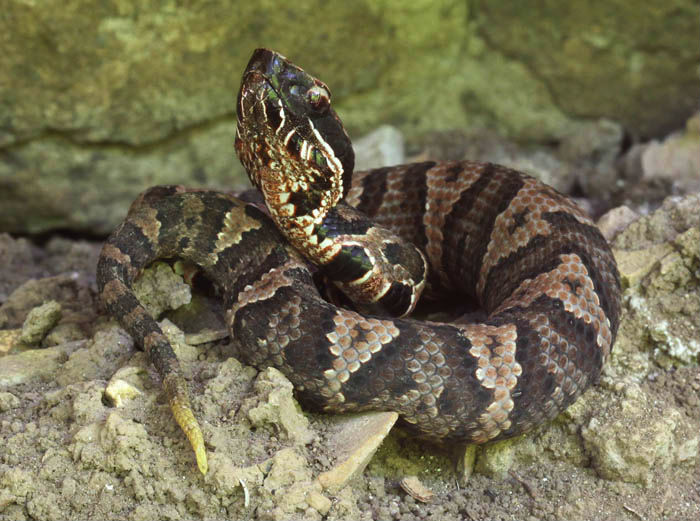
point(99, 100)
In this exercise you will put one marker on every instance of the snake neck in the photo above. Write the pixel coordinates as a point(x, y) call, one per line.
point(299, 205)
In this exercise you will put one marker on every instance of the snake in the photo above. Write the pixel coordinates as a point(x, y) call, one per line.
point(320, 281)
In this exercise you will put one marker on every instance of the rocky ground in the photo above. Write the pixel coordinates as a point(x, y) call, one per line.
point(85, 431)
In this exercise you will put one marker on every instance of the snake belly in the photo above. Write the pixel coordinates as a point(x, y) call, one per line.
point(542, 272)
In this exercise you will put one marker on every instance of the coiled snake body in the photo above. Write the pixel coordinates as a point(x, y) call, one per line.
point(543, 274)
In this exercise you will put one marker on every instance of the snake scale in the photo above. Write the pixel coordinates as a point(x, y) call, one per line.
point(544, 276)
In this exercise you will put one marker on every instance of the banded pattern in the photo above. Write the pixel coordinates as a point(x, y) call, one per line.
point(544, 275)
point(297, 153)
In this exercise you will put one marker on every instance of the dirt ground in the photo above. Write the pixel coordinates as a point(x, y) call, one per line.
point(86, 433)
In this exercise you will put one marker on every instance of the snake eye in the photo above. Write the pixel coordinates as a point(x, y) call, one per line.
point(319, 98)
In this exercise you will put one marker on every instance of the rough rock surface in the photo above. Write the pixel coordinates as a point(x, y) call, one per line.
point(637, 439)
point(595, 54)
point(659, 260)
point(98, 102)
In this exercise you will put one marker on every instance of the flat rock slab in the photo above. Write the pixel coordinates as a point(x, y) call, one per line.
point(35, 363)
point(355, 439)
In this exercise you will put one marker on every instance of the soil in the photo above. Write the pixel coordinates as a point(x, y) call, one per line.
point(86, 432)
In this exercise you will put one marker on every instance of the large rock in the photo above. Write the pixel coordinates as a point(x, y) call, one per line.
point(634, 62)
point(658, 257)
point(99, 101)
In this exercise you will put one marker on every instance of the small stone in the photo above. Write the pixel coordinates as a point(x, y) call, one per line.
point(288, 484)
point(62, 334)
point(676, 215)
point(382, 147)
point(414, 488)
point(208, 335)
point(616, 220)
point(8, 339)
point(676, 158)
point(634, 266)
point(688, 451)
point(277, 406)
point(637, 439)
point(318, 501)
point(104, 353)
point(39, 322)
point(159, 289)
point(633, 391)
point(120, 392)
point(35, 363)
point(8, 401)
point(184, 351)
point(355, 439)
point(227, 477)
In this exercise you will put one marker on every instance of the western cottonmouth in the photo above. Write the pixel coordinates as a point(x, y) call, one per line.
point(543, 274)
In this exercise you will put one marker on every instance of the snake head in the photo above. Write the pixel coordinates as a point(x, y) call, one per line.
point(289, 138)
